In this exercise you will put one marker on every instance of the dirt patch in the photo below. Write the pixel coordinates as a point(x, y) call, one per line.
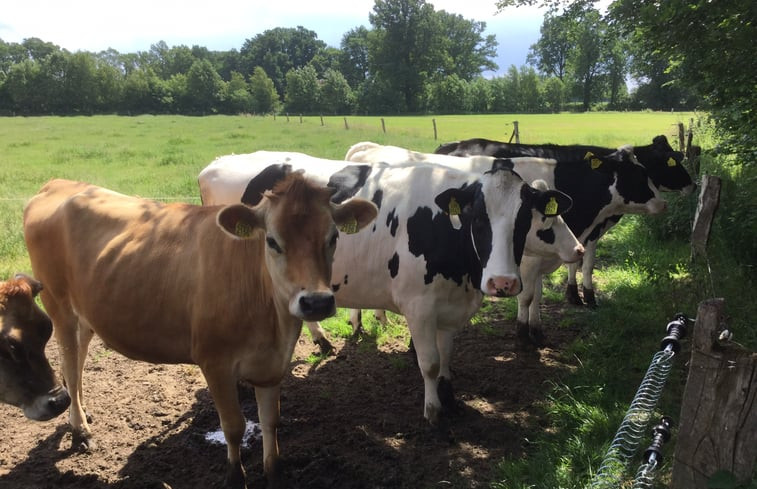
point(353, 421)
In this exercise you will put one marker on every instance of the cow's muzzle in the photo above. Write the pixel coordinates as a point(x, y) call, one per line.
point(316, 306)
point(49, 405)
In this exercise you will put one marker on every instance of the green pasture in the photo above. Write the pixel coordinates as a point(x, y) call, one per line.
point(644, 275)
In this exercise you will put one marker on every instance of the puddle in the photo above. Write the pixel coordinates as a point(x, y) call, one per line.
point(252, 432)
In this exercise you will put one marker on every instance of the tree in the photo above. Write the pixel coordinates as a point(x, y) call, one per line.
point(551, 51)
point(450, 95)
point(707, 47)
point(302, 90)
point(278, 51)
point(265, 99)
point(354, 56)
point(237, 96)
point(405, 48)
point(336, 96)
point(204, 86)
point(466, 52)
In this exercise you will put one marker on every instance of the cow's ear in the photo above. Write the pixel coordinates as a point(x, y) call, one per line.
point(34, 285)
point(453, 200)
point(239, 221)
point(265, 180)
point(354, 215)
point(348, 181)
point(660, 143)
point(552, 203)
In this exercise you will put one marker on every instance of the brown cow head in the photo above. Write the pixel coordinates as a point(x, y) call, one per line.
point(300, 224)
point(26, 378)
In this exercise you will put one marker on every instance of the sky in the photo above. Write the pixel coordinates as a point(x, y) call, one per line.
point(222, 25)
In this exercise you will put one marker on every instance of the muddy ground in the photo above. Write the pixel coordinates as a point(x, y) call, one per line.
point(354, 420)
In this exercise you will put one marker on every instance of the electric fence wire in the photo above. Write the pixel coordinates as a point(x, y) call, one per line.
point(634, 424)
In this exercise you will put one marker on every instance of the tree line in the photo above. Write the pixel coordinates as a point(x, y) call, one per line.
point(413, 59)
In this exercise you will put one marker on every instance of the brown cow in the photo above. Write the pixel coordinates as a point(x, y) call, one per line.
point(223, 287)
point(26, 379)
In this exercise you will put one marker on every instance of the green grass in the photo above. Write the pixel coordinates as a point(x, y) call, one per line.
point(643, 276)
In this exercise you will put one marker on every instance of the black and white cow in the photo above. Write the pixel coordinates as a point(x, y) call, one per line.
point(601, 187)
point(662, 163)
point(443, 238)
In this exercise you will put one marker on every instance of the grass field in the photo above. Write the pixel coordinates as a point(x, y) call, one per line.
point(642, 280)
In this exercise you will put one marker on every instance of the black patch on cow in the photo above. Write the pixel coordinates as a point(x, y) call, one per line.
point(392, 221)
point(335, 287)
point(378, 196)
point(434, 238)
point(546, 235)
point(522, 222)
point(345, 281)
point(448, 251)
point(394, 265)
point(348, 181)
point(602, 228)
point(265, 180)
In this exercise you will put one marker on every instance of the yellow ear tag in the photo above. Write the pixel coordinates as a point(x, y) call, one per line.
point(454, 207)
point(589, 155)
point(243, 230)
point(349, 227)
point(551, 208)
point(595, 163)
point(671, 161)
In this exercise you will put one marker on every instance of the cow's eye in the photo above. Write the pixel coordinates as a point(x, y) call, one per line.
point(273, 244)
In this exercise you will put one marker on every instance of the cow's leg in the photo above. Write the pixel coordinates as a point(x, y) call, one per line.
point(423, 334)
point(73, 353)
point(535, 333)
point(319, 337)
point(528, 300)
point(356, 320)
point(380, 315)
point(223, 387)
point(268, 413)
point(587, 271)
point(85, 337)
point(571, 293)
point(444, 343)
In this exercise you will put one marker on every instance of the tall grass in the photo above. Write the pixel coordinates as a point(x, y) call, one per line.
point(643, 277)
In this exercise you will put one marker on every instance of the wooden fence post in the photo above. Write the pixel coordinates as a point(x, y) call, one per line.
point(346, 126)
point(681, 132)
point(300, 118)
point(434, 122)
point(718, 427)
point(515, 134)
point(322, 121)
point(383, 125)
point(287, 116)
point(709, 198)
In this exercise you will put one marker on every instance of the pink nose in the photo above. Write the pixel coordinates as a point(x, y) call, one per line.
point(503, 286)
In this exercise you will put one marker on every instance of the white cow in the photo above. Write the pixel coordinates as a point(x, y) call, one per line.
point(604, 187)
point(416, 260)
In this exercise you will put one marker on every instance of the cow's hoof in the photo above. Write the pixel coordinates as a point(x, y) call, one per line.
point(536, 336)
point(235, 477)
point(522, 331)
point(590, 298)
point(82, 442)
point(447, 397)
point(571, 295)
point(325, 346)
